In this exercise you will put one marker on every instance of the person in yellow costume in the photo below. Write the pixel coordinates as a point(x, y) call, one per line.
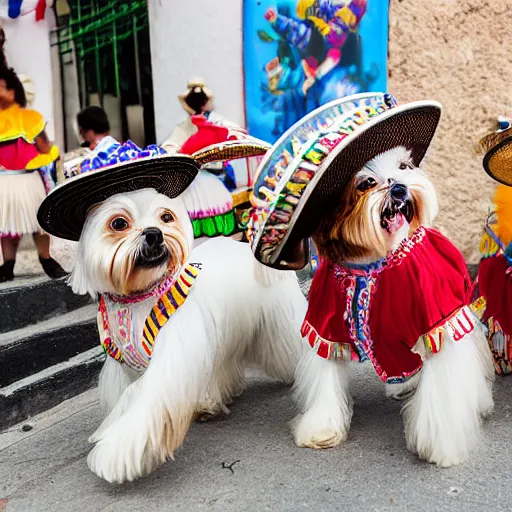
point(24, 149)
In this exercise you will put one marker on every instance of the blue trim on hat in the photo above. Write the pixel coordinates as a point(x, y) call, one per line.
point(118, 153)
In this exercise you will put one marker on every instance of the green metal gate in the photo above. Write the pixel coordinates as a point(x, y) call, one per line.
point(110, 40)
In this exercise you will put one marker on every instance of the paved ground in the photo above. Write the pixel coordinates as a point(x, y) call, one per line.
point(45, 469)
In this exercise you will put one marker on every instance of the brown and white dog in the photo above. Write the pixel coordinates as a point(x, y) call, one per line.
point(404, 290)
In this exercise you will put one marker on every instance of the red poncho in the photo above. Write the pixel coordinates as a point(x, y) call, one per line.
point(380, 311)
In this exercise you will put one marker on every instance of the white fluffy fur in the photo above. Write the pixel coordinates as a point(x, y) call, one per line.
point(322, 393)
point(445, 402)
point(231, 317)
point(442, 419)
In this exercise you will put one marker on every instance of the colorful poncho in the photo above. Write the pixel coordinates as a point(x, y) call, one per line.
point(379, 312)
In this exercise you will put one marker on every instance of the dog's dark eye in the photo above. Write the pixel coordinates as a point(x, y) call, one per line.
point(167, 217)
point(367, 184)
point(404, 165)
point(119, 224)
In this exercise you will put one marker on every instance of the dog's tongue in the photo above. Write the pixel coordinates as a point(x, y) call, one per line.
point(394, 223)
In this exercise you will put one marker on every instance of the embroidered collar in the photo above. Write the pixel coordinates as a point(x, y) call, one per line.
point(122, 343)
point(163, 286)
point(394, 258)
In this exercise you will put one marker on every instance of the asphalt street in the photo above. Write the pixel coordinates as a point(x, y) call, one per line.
point(247, 461)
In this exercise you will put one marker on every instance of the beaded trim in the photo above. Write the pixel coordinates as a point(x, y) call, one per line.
point(166, 282)
point(458, 325)
point(283, 178)
point(405, 247)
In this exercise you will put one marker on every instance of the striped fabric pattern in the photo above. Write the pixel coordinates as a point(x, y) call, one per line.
point(138, 355)
point(166, 306)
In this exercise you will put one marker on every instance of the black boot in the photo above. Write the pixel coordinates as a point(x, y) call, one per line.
point(52, 268)
point(7, 271)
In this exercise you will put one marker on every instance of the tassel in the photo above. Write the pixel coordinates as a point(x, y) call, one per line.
point(14, 8)
point(40, 10)
point(492, 139)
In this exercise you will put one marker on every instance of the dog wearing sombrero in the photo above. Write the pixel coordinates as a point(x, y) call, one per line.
point(389, 288)
point(178, 326)
point(495, 269)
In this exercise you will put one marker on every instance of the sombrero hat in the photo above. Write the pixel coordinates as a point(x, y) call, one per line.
point(195, 84)
point(498, 157)
point(301, 179)
point(123, 168)
point(213, 142)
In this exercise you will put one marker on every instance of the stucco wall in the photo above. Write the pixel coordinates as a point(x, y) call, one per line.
point(458, 52)
point(28, 52)
point(455, 51)
point(195, 37)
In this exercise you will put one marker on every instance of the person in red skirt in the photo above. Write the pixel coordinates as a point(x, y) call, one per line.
point(495, 271)
point(24, 151)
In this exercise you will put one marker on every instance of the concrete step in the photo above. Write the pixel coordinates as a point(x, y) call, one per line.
point(48, 388)
point(29, 300)
point(31, 349)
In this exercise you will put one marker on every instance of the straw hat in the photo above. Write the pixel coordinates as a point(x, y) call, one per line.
point(302, 178)
point(498, 157)
point(195, 84)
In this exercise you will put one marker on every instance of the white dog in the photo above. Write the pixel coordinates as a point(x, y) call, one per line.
point(237, 312)
point(449, 389)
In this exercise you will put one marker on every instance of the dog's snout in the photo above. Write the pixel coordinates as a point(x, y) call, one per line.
point(153, 237)
point(399, 191)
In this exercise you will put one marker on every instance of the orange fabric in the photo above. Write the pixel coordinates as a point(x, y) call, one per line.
point(503, 208)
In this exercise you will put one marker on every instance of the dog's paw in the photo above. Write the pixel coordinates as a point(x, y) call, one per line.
point(310, 433)
point(209, 408)
point(444, 460)
point(202, 415)
point(122, 454)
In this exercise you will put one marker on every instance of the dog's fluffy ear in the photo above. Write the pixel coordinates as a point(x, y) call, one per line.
point(78, 277)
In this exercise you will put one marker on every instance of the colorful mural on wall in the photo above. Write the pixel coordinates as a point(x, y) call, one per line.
point(300, 54)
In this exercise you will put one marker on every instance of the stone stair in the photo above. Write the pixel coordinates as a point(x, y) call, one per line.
point(49, 347)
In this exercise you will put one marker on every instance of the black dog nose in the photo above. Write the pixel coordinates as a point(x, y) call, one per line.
point(399, 191)
point(153, 236)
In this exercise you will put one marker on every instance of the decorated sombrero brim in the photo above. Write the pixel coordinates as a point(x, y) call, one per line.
point(498, 157)
point(124, 168)
point(217, 143)
point(232, 150)
point(302, 178)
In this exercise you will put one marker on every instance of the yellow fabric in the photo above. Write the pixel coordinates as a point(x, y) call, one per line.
point(503, 209)
point(17, 122)
point(302, 8)
point(42, 159)
point(348, 17)
point(488, 247)
point(321, 25)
